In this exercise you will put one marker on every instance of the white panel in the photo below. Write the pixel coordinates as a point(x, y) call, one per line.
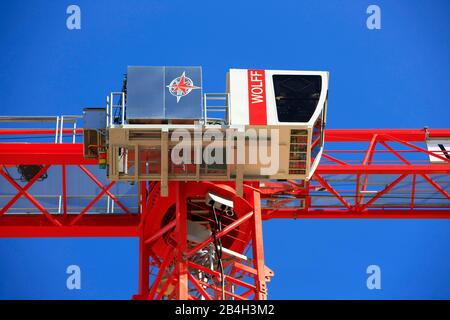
point(238, 88)
point(239, 96)
point(441, 148)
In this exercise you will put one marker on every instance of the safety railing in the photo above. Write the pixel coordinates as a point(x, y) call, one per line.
point(216, 108)
point(109, 207)
point(56, 134)
point(115, 109)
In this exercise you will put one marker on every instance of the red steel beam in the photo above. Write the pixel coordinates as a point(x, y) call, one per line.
point(98, 225)
point(436, 186)
point(29, 196)
point(219, 290)
point(21, 191)
point(43, 153)
point(412, 146)
point(167, 259)
point(382, 192)
point(182, 286)
point(144, 267)
point(327, 156)
point(160, 233)
point(236, 281)
point(258, 248)
point(331, 190)
point(64, 188)
point(86, 209)
point(167, 283)
point(105, 189)
point(224, 231)
point(199, 287)
point(395, 152)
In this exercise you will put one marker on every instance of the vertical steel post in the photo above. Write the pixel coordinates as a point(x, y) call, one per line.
point(144, 252)
point(64, 189)
point(144, 266)
point(181, 234)
point(258, 249)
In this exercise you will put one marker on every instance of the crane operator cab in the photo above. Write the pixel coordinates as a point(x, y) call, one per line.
point(268, 125)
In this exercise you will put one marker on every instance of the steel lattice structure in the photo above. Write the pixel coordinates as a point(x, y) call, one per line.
point(363, 174)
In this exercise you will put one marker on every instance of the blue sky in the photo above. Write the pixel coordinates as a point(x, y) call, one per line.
point(396, 77)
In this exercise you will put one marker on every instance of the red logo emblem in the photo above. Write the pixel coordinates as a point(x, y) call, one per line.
point(181, 86)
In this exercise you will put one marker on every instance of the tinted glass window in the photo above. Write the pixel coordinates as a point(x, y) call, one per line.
point(296, 96)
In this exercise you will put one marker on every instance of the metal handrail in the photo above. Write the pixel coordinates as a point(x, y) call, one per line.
point(58, 120)
point(73, 120)
point(110, 106)
point(216, 108)
point(110, 204)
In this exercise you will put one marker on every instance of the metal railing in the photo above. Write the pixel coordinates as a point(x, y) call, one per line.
point(58, 131)
point(111, 108)
point(216, 109)
point(109, 207)
point(221, 111)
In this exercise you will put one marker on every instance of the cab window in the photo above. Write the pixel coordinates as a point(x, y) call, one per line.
point(296, 96)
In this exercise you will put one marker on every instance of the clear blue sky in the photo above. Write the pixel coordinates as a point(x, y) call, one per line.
point(394, 77)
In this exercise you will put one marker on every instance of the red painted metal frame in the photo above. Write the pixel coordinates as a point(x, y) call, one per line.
point(61, 225)
point(43, 153)
point(174, 278)
point(367, 167)
point(176, 266)
point(98, 225)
